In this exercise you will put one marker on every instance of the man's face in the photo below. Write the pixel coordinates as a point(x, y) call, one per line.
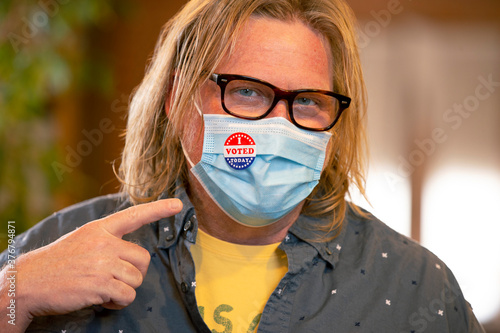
point(287, 55)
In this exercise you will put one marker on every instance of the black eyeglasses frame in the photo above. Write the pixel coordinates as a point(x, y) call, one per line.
point(222, 81)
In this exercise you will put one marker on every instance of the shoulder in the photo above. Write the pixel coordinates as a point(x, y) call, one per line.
point(92, 209)
point(372, 236)
point(403, 272)
point(367, 239)
point(67, 220)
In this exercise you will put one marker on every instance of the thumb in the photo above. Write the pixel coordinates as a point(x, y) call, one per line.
point(131, 219)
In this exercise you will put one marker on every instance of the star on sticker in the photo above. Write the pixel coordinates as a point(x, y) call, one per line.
point(166, 229)
point(384, 254)
point(440, 312)
point(334, 291)
point(193, 284)
point(338, 247)
point(438, 266)
point(120, 331)
point(388, 302)
point(287, 238)
point(63, 331)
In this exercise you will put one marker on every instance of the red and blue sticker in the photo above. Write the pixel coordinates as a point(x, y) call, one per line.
point(239, 150)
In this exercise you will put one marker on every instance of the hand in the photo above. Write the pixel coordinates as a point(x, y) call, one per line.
point(91, 265)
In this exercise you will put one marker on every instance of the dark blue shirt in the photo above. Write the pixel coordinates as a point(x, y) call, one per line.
point(367, 279)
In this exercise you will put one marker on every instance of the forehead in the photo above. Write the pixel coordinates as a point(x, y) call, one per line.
point(287, 54)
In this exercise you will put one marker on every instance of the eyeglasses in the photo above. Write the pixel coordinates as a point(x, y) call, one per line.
point(249, 98)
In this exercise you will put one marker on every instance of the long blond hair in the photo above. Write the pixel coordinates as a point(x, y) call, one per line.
point(189, 48)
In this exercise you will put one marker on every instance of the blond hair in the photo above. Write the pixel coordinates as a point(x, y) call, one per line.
point(190, 47)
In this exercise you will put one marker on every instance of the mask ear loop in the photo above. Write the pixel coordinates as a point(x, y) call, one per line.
point(191, 164)
point(198, 109)
point(196, 105)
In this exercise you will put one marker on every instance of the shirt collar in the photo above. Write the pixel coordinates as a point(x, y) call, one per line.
point(305, 229)
point(170, 228)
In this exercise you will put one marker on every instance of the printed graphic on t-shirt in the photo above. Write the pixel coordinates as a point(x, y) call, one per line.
point(225, 320)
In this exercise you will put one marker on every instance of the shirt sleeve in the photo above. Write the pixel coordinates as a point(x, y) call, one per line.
point(467, 319)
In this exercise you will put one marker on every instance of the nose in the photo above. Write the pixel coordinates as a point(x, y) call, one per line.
point(280, 110)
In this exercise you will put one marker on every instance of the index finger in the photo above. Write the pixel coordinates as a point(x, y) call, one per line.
point(131, 219)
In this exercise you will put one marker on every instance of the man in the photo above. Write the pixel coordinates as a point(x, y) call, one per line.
point(242, 142)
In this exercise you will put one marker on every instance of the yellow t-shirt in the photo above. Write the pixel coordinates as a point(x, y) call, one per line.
point(234, 282)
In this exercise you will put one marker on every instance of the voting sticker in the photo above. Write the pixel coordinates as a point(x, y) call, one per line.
point(239, 150)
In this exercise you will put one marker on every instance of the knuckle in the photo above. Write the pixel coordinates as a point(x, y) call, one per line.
point(145, 261)
point(134, 276)
point(142, 255)
point(99, 246)
point(137, 280)
point(93, 238)
point(98, 299)
point(101, 263)
point(128, 296)
point(145, 256)
point(102, 280)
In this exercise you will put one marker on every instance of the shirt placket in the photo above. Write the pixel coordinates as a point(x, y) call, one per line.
point(185, 275)
point(277, 315)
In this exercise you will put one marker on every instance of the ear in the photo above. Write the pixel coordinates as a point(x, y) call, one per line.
point(169, 92)
point(168, 96)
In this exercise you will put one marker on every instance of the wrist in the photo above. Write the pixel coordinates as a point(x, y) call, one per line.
point(14, 316)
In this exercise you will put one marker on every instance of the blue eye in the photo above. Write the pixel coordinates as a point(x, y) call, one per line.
point(305, 101)
point(246, 92)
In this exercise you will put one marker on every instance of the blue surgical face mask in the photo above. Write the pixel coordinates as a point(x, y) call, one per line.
point(257, 171)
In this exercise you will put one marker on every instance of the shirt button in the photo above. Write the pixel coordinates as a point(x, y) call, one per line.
point(189, 224)
point(184, 287)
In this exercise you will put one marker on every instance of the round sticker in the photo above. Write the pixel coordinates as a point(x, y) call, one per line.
point(239, 150)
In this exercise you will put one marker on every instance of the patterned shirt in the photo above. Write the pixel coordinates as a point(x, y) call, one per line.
point(367, 279)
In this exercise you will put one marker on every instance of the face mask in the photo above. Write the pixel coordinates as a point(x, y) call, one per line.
point(257, 171)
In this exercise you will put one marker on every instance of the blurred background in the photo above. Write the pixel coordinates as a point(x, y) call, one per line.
point(432, 70)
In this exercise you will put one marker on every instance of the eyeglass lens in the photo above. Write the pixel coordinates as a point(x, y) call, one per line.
point(253, 99)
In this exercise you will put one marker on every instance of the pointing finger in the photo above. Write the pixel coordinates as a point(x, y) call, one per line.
point(131, 219)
